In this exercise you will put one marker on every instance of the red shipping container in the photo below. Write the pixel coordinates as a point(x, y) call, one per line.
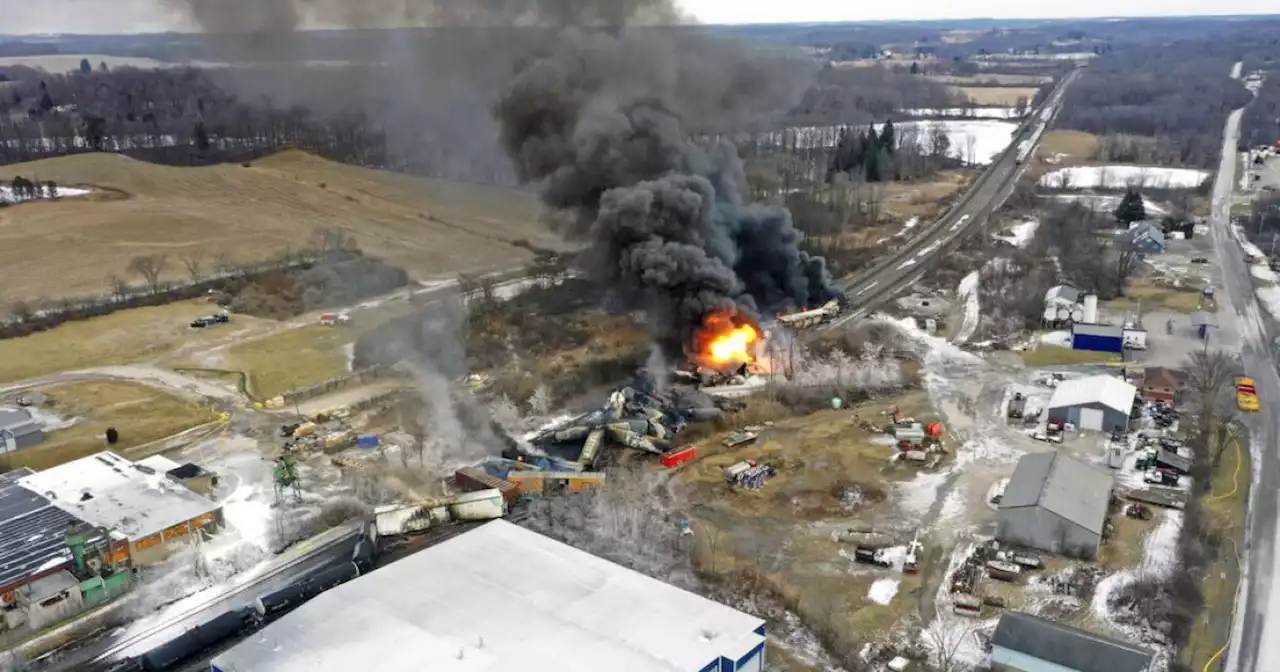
point(678, 456)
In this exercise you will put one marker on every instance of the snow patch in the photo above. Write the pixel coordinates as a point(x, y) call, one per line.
point(1061, 339)
point(906, 228)
point(883, 590)
point(1020, 234)
point(1121, 176)
point(969, 291)
point(1109, 202)
point(7, 194)
point(968, 112)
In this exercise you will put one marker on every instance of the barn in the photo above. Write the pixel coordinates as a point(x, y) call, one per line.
point(1098, 403)
point(1055, 503)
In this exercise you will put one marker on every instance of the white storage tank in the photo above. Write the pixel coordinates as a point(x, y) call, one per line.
point(478, 505)
point(1091, 309)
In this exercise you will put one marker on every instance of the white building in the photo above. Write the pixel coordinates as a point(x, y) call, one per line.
point(135, 501)
point(1098, 403)
point(501, 597)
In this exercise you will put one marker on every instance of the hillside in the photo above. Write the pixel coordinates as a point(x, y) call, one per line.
point(432, 228)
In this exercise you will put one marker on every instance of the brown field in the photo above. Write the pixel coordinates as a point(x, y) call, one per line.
point(922, 199)
point(1052, 355)
point(58, 63)
point(291, 359)
point(993, 79)
point(431, 228)
point(141, 414)
point(1075, 144)
point(125, 336)
point(1002, 96)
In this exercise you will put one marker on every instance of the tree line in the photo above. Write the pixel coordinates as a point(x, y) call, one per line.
point(1260, 123)
point(1175, 99)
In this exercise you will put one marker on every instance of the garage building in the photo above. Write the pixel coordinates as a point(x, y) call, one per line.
point(1097, 403)
point(1026, 643)
point(501, 597)
point(1057, 504)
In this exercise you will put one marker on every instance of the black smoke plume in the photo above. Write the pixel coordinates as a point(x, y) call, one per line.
point(596, 122)
point(596, 103)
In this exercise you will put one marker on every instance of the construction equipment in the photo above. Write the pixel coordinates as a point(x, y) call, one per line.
point(740, 438)
point(911, 563)
point(1017, 405)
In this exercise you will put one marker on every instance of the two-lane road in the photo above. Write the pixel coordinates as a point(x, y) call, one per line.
point(1255, 644)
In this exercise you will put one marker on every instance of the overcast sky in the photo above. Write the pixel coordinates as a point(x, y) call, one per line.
point(133, 16)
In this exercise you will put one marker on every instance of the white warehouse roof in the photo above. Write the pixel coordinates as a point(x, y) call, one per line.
point(110, 491)
point(500, 597)
point(1109, 391)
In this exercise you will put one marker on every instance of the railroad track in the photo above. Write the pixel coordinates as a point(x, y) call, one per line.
point(870, 289)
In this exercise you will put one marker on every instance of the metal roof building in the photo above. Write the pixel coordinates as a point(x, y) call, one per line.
point(1025, 642)
point(1098, 403)
point(134, 500)
point(33, 535)
point(502, 597)
point(1055, 503)
point(19, 429)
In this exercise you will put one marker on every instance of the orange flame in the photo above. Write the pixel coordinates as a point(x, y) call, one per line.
point(726, 338)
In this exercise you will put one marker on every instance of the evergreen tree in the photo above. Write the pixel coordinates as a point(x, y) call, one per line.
point(888, 139)
point(102, 67)
point(1131, 208)
point(85, 66)
point(46, 103)
point(915, 68)
point(201, 137)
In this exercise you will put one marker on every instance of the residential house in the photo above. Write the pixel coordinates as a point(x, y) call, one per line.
point(1146, 238)
point(1160, 384)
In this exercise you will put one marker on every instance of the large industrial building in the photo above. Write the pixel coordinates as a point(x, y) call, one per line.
point(501, 597)
point(19, 429)
point(45, 553)
point(1055, 503)
point(1098, 403)
point(155, 513)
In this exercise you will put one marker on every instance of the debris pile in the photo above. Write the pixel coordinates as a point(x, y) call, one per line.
point(647, 421)
point(327, 435)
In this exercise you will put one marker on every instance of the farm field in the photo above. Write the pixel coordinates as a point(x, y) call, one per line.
point(992, 79)
point(1077, 145)
point(139, 413)
point(115, 339)
point(431, 228)
point(1006, 96)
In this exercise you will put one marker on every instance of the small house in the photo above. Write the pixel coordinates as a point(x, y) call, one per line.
point(1026, 643)
point(1160, 384)
point(1145, 237)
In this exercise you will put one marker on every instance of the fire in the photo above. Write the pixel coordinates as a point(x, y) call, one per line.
point(726, 338)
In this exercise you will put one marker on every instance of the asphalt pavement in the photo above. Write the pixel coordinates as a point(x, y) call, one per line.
point(1256, 636)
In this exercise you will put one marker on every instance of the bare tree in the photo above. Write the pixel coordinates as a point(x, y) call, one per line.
point(971, 149)
point(223, 263)
point(1126, 262)
point(945, 637)
point(193, 261)
point(150, 267)
point(409, 417)
point(119, 286)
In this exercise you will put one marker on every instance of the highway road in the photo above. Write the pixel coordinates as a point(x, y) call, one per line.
point(299, 562)
point(870, 289)
point(1256, 635)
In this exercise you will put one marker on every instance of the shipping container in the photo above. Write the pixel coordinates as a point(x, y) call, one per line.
point(1097, 338)
point(678, 456)
point(367, 441)
point(471, 479)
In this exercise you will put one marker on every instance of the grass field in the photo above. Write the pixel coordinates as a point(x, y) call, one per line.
point(1224, 508)
point(1075, 144)
point(58, 63)
point(431, 228)
point(140, 414)
point(1052, 355)
point(291, 359)
point(1152, 294)
point(922, 199)
point(998, 96)
point(125, 336)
